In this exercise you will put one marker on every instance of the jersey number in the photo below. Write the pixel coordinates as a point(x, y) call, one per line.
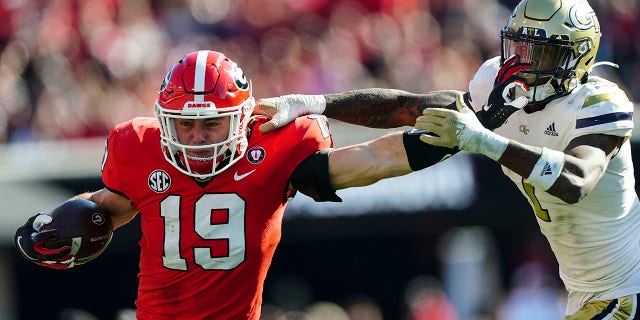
point(322, 123)
point(539, 210)
point(207, 227)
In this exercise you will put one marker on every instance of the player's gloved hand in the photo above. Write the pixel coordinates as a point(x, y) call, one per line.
point(30, 242)
point(507, 96)
point(460, 128)
point(284, 109)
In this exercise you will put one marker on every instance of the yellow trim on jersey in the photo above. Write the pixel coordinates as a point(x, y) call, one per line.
point(625, 308)
point(591, 100)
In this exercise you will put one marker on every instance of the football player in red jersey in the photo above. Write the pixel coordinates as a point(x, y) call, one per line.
point(211, 189)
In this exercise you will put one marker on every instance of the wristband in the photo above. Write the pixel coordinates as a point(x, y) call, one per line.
point(485, 142)
point(314, 103)
point(547, 169)
point(493, 145)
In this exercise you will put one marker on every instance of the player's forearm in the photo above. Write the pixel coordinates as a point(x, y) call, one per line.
point(366, 163)
point(383, 108)
point(574, 180)
point(119, 208)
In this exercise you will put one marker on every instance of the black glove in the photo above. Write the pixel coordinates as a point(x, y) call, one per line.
point(31, 244)
point(503, 100)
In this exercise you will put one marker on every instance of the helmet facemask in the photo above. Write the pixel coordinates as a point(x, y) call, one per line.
point(205, 161)
point(552, 72)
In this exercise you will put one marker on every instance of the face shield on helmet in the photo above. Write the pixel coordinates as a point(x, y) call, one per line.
point(204, 85)
point(559, 39)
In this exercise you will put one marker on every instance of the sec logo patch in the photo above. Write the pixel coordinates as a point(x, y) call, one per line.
point(159, 181)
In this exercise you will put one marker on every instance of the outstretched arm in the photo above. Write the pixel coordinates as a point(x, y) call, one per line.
point(384, 108)
point(394, 154)
point(374, 107)
point(368, 162)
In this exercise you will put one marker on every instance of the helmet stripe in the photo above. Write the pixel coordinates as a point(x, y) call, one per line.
point(201, 65)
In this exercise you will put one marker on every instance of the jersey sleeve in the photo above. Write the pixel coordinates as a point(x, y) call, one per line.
point(110, 176)
point(310, 175)
point(312, 132)
point(605, 109)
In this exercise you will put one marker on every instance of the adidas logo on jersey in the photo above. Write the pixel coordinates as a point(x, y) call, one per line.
point(551, 130)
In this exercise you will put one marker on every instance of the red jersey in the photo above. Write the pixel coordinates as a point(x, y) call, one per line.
point(206, 246)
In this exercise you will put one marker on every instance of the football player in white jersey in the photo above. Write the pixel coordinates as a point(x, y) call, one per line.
point(561, 135)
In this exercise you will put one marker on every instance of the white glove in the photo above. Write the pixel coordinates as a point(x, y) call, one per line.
point(460, 128)
point(285, 109)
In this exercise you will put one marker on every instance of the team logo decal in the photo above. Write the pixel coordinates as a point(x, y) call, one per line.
point(165, 81)
point(159, 181)
point(97, 218)
point(532, 31)
point(255, 155)
point(239, 78)
point(583, 17)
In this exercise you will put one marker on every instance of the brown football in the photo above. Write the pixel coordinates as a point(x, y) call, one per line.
point(83, 226)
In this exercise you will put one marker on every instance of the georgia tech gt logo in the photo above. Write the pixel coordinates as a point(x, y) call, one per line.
point(583, 17)
point(159, 181)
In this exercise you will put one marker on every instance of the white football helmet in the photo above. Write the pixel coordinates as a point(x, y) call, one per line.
point(202, 85)
point(558, 38)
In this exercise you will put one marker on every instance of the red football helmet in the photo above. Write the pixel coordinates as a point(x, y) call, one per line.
point(202, 85)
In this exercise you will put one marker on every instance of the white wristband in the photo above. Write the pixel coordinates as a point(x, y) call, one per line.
point(547, 169)
point(493, 145)
point(315, 103)
point(485, 142)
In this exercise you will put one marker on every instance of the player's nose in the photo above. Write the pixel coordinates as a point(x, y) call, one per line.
point(198, 134)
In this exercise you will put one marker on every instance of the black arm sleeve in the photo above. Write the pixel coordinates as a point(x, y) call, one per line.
point(422, 155)
point(311, 177)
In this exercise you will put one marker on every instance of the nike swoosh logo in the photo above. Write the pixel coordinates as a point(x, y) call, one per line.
point(238, 177)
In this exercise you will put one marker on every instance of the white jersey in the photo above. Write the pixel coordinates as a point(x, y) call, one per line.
point(597, 240)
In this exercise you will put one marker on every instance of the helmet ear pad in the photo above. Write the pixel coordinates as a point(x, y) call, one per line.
point(204, 85)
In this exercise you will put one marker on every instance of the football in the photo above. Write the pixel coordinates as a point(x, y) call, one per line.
point(83, 227)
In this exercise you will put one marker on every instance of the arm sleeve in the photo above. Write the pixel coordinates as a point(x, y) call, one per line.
point(311, 177)
point(422, 155)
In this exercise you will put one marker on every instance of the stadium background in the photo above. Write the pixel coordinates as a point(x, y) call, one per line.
point(457, 235)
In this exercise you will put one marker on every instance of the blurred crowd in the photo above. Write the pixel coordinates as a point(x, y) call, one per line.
point(74, 68)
